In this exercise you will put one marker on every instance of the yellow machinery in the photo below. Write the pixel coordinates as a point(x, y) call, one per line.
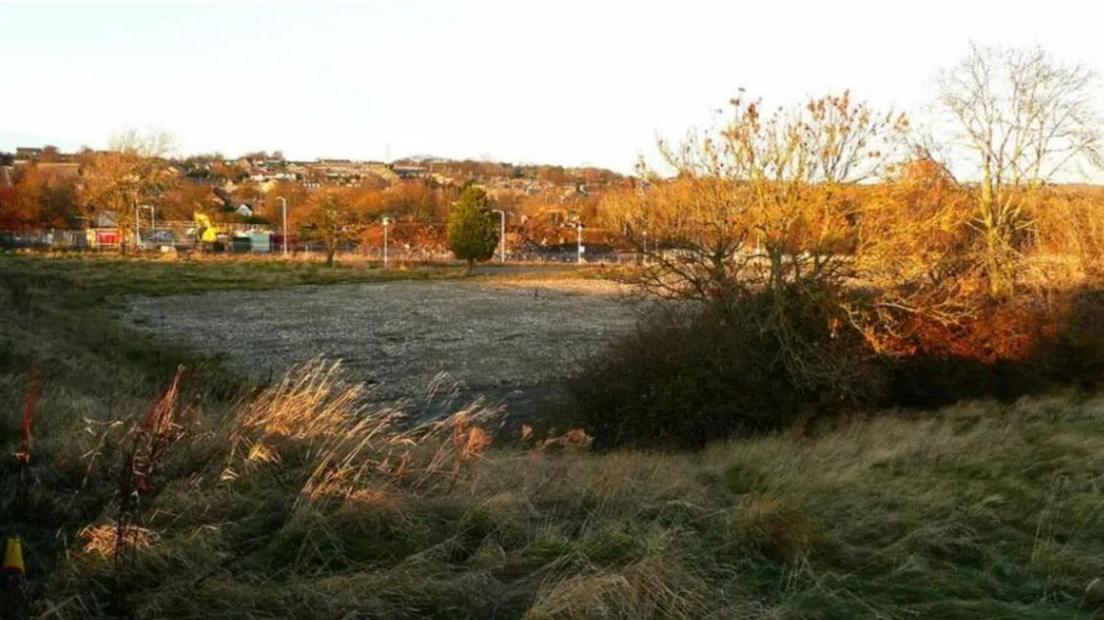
point(205, 231)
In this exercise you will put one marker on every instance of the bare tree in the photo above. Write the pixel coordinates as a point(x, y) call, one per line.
point(1023, 119)
point(125, 176)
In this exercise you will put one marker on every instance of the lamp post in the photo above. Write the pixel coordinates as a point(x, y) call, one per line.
point(283, 212)
point(386, 223)
point(579, 242)
point(502, 234)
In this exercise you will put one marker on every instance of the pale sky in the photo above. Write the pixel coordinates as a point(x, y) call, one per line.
point(547, 81)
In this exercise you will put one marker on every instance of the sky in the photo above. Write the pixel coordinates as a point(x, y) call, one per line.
point(543, 81)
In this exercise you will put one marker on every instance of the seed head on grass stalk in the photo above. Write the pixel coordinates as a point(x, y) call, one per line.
point(311, 406)
point(311, 400)
point(149, 442)
point(23, 453)
point(30, 403)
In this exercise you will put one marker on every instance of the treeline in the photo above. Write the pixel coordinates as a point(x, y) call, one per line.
point(39, 197)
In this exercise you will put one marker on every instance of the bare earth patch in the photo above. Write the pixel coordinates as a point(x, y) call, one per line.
point(512, 341)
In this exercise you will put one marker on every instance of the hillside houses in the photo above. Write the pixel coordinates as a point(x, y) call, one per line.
point(28, 153)
point(544, 202)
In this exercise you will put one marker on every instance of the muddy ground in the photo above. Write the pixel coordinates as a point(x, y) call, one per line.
point(512, 341)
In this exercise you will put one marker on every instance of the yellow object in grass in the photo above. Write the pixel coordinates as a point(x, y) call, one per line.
point(13, 559)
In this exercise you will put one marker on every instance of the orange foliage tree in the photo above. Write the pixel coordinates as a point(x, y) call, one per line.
point(762, 204)
point(128, 175)
point(37, 200)
point(913, 257)
point(758, 220)
point(329, 217)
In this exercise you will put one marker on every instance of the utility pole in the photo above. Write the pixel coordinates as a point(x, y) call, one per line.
point(283, 211)
point(502, 234)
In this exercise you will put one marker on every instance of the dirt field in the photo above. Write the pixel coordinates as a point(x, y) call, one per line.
point(510, 340)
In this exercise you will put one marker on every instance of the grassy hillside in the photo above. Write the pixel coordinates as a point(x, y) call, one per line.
point(291, 500)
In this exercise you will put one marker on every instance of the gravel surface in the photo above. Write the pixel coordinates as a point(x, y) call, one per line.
point(512, 341)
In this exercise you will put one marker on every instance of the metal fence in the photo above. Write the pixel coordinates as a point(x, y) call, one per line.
point(46, 239)
point(175, 238)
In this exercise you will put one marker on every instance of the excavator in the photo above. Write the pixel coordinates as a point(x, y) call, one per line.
point(208, 236)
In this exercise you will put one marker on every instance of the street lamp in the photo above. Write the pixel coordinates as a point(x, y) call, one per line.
point(283, 211)
point(579, 242)
point(386, 223)
point(502, 235)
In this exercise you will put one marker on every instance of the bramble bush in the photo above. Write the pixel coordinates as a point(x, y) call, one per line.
point(692, 374)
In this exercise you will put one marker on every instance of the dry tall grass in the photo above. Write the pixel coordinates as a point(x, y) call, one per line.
point(353, 512)
point(349, 445)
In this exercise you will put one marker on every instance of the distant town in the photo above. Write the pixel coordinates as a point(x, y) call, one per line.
point(236, 203)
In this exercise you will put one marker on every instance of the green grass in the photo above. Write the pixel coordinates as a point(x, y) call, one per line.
point(981, 510)
point(114, 275)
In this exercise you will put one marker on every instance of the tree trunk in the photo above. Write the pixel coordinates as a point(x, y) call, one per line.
point(471, 266)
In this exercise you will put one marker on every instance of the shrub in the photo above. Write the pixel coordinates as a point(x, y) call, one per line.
point(1010, 348)
point(696, 373)
point(692, 374)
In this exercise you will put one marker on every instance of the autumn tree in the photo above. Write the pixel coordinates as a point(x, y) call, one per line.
point(912, 256)
point(39, 200)
point(472, 234)
point(9, 218)
point(1070, 223)
point(26, 200)
point(760, 203)
point(58, 203)
point(185, 198)
point(129, 174)
point(1022, 119)
point(328, 216)
point(757, 219)
point(294, 193)
point(417, 200)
